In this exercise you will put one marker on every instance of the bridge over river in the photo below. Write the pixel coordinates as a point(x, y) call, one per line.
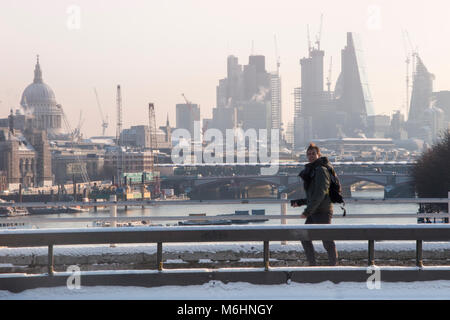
point(238, 179)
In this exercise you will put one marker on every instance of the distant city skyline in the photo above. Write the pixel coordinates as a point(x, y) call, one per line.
point(157, 51)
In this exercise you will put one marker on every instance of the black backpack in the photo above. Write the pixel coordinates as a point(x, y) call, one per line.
point(336, 190)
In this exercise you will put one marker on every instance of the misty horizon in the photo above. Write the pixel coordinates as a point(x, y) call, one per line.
point(110, 47)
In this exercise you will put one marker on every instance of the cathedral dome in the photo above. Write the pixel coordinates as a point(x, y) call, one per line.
point(38, 100)
point(38, 94)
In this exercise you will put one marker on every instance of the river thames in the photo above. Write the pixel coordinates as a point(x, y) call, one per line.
point(270, 209)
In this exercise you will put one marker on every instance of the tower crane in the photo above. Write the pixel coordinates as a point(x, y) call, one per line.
point(82, 166)
point(309, 39)
point(118, 138)
point(329, 75)
point(76, 133)
point(187, 102)
point(152, 126)
point(319, 34)
point(411, 55)
point(105, 123)
point(119, 114)
point(153, 147)
point(276, 55)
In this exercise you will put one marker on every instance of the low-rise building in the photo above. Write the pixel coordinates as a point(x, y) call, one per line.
point(75, 164)
point(25, 157)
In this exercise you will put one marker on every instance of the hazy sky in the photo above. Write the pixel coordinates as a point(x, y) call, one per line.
point(157, 50)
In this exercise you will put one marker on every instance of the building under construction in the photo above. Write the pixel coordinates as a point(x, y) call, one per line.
point(322, 114)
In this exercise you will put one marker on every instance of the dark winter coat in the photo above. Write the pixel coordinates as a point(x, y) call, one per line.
point(316, 181)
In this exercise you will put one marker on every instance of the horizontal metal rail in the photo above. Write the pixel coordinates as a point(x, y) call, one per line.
point(207, 202)
point(28, 219)
point(287, 164)
point(45, 237)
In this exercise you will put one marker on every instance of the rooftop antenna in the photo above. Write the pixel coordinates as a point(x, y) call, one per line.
point(253, 48)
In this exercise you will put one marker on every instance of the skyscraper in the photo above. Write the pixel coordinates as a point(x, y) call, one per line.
point(186, 115)
point(441, 100)
point(314, 114)
point(312, 94)
point(352, 93)
point(421, 92)
point(249, 97)
point(420, 116)
point(275, 95)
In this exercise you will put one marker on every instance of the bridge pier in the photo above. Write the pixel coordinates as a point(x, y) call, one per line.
point(244, 193)
point(346, 191)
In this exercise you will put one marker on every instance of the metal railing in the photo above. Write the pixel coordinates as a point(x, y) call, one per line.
point(265, 234)
point(283, 216)
point(140, 203)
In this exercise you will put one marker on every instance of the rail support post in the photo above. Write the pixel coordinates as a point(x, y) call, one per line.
point(419, 253)
point(283, 211)
point(51, 260)
point(448, 208)
point(266, 255)
point(113, 210)
point(113, 213)
point(159, 261)
point(371, 260)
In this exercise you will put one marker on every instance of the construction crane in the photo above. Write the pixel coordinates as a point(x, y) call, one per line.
point(189, 104)
point(153, 147)
point(411, 54)
point(152, 126)
point(319, 34)
point(105, 123)
point(119, 114)
point(329, 75)
point(309, 39)
point(118, 137)
point(76, 133)
point(276, 54)
point(82, 166)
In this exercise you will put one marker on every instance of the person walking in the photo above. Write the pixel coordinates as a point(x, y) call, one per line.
point(319, 208)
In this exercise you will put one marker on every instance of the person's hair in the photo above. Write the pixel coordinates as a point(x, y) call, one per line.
point(312, 146)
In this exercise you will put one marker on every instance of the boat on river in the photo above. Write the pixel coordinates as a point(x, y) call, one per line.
point(225, 219)
point(56, 210)
point(12, 211)
point(143, 223)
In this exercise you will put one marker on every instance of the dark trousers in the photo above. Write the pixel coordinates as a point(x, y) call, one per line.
point(329, 245)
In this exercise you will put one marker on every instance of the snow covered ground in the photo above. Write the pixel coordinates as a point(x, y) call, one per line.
point(429, 290)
